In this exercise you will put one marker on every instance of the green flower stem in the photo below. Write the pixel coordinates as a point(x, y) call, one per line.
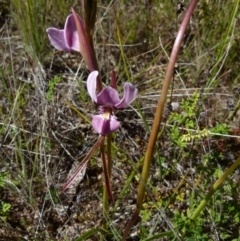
point(158, 117)
point(215, 187)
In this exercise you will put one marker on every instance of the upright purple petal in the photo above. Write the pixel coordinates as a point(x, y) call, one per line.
point(108, 97)
point(57, 39)
point(104, 126)
point(71, 34)
point(130, 93)
point(92, 84)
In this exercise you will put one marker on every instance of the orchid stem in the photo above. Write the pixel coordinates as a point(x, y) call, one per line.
point(106, 175)
point(109, 154)
point(109, 170)
point(105, 197)
point(158, 117)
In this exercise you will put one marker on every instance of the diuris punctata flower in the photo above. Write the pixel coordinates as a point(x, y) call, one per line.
point(108, 100)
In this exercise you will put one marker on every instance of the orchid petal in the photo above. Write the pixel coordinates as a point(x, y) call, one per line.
point(71, 34)
point(104, 126)
point(92, 84)
point(130, 93)
point(56, 37)
point(108, 97)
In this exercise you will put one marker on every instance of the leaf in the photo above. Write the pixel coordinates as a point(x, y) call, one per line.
point(6, 207)
point(3, 177)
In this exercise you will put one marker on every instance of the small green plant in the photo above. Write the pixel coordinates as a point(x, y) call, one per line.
point(220, 128)
point(4, 209)
point(146, 213)
point(191, 230)
point(185, 127)
point(53, 195)
point(51, 85)
point(3, 177)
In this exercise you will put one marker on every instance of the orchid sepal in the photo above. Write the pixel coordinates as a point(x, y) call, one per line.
point(65, 39)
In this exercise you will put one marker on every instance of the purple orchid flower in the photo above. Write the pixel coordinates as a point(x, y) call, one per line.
point(65, 39)
point(108, 100)
point(73, 38)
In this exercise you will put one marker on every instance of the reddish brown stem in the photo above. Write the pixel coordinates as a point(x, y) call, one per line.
point(106, 174)
point(158, 116)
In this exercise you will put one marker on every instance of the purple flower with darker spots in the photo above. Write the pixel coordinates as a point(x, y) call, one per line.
point(108, 100)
